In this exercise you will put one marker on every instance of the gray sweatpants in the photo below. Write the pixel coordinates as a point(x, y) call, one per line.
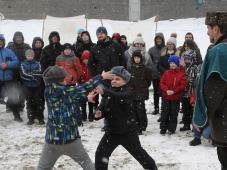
point(75, 150)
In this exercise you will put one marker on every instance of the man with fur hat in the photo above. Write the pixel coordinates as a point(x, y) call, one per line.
point(118, 109)
point(211, 103)
point(51, 51)
point(8, 63)
point(155, 54)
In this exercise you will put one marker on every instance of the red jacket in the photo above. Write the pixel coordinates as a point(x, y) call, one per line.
point(173, 80)
point(86, 74)
point(72, 66)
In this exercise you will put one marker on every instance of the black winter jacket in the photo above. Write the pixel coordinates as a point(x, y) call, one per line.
point(117, 107)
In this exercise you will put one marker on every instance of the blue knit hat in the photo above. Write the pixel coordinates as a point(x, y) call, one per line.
point(174, 59)
point(80, 30)
point(101, 30)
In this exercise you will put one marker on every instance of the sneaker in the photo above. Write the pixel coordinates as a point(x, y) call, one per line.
point(30, 122)
point(163, 131)
point(185, 128)
point(195, 142)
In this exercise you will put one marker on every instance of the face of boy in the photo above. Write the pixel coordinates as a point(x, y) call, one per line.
point(29, 57)
point(123, 40)
point(137, 59)
point(67, 51)
point(172, 65)
point(118, 81)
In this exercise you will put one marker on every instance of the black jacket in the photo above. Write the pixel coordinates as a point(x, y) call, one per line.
point(141, 80)
point(49, 55)
point(117, 107)
point(80, 46)
point(104, 56)
point(215, 91)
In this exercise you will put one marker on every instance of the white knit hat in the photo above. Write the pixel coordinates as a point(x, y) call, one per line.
point(172, 40)
point(139, 40)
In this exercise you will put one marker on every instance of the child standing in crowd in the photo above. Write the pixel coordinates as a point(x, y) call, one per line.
point(86, 76)
point(141, 76)
point(62, 135)
point(191, 70)
point(118, 109)
point(31, 76)
point(172, 85)
point(70, 63)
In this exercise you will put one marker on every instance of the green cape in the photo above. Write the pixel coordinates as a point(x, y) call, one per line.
point(215, 62)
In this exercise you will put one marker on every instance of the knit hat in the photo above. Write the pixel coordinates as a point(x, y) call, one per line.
point(174, 59)
point(116, 36)
point(172, 40)
point(29, 52)
point(121, 72)
point(85, 55)
point(67, 46)
point(101, 30)
point(139, 40)
point(216, 18)
point(80, 30)
point(54, 74)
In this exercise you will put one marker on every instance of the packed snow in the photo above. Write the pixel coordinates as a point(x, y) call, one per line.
point(21, 145)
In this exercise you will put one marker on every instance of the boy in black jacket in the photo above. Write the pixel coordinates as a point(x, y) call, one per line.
point(117, 107)
point(141, 78)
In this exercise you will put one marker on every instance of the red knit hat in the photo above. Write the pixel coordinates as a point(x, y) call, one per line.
point(116, 36)
point(85, 55)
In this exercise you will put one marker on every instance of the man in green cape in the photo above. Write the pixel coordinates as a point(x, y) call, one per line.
point(211, 103)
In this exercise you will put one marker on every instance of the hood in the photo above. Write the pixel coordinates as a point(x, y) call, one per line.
point(160, 35)
point(37, 39)
point(18, 33)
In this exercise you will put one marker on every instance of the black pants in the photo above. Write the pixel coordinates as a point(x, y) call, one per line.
point(156, 84)
point(34, 103)
point(84, 109)
point(222, 156)
point(15, 94)
point(141, 114)
point(187, 112)
point(169, 114)
point(130, 142)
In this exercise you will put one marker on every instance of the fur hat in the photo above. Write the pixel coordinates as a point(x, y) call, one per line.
point(174, 59)
point(216, 18)
point(29, 52)
point(101, 30)
point(139, 40)
point(121, 72)
point(54, 74)
point(172, 40)
point(85, 55)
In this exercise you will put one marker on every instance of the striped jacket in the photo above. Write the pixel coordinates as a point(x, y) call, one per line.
point(63, 109)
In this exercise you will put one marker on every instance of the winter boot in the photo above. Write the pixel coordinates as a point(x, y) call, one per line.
point(185, 128)
point(84, 112)
point(163, 131)
point(91, 114)
point(17, 116)
point(195, 142)
point(30, 122)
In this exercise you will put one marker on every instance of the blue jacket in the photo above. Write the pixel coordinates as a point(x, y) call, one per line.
point(63, 102)
point(7, 56)
point(31, 73)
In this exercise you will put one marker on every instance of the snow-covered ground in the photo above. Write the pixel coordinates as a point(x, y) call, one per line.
point(21, 146)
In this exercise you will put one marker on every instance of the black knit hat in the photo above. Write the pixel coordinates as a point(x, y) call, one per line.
point(121, 72)
point(67, 46)
point(216, 18)
point(54, 74)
